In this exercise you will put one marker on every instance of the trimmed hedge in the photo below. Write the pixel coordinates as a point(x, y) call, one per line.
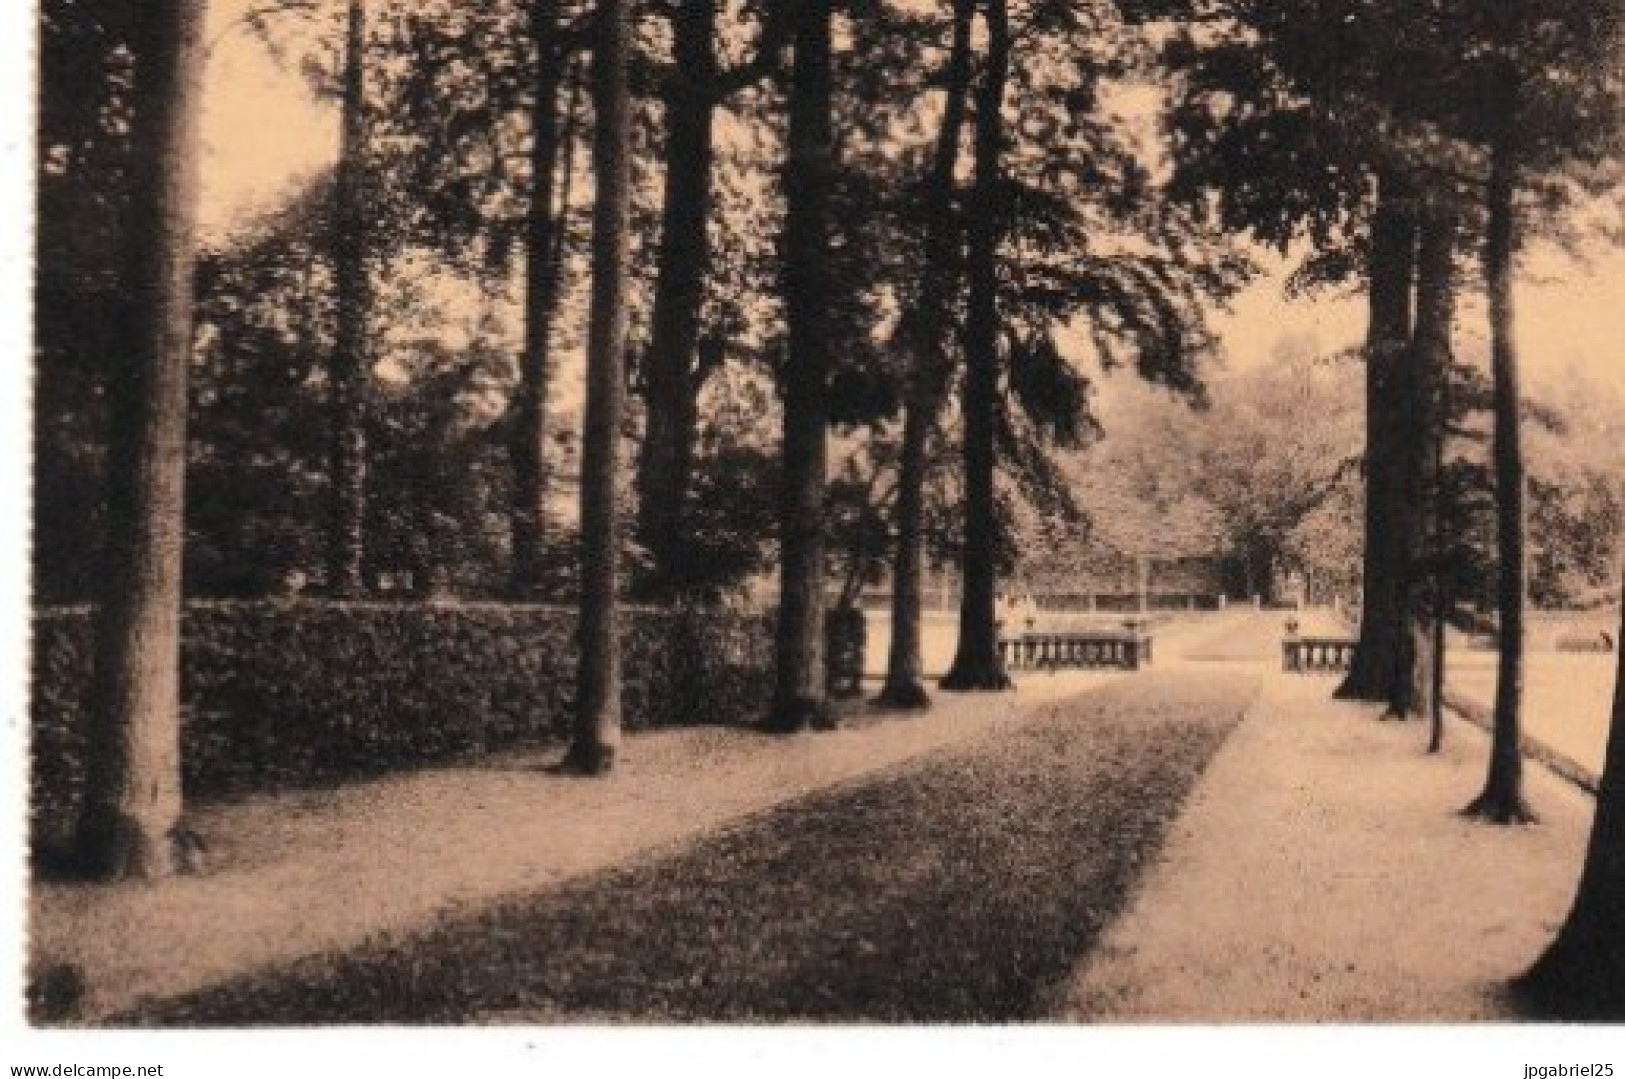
point(278, 694)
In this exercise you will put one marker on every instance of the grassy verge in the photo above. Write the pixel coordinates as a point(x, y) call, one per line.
point(1482, 716)
point(960, 888)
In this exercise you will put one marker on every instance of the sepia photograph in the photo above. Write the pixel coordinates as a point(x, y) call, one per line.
point(879, 534)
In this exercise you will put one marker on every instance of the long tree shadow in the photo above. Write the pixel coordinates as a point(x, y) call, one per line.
point(961, 888)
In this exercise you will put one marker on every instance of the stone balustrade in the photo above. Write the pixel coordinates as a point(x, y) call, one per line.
point(1089, 650)
point(1316, 655)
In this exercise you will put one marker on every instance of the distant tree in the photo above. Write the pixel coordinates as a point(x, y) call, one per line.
point(1576, 517)
point(597, 735)
point(1244, 478)
point(476, 113)
point(133, 783)
point(437, 469)
point(258, 433)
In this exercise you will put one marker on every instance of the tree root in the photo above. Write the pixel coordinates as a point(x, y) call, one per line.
point(974, 677)
point(799, 714)
point(1498, 807)
point(908, 696)
point(591, 759)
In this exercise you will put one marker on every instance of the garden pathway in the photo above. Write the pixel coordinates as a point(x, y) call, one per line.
point(1322, 872)
point(322, 870)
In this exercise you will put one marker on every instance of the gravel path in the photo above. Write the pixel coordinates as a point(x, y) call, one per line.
point(1323, 872)
point(962, 886)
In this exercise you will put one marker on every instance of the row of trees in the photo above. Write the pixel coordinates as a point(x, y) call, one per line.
point(1438, 128)
point(1388, 135)
point(1060, 220)
point(1395, 137)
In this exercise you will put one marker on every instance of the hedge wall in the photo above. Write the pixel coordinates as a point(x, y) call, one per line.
point(284, 693)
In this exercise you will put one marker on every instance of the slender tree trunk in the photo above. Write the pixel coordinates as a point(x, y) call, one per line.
point(1391, 268)
point(350, 367)
point(665, 463)
point(567, 172)
point(928, 368)
point(133, 786)
point(528, 449)
point(905, 665)
point(1502, 798)
point(1582, 974)
point(1440, 575)
point(977, 665)
point(800, 697)
point(598, 677)
point(1415, 451)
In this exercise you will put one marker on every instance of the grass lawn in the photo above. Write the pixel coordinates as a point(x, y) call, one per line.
point(962, 887)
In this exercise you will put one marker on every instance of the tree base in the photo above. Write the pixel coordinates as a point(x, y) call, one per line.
point(799, 714)
point(121, 849)
point(1497, 807)
point(1354, 692)
point(1398, 715)
point(975, 678)
point(1360, 686)
point(907, 696)
point(591, 759)
point(1365, 681)
point(1581, 977)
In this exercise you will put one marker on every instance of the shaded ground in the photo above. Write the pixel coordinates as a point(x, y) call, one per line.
point(321, 870)
point(962, 887)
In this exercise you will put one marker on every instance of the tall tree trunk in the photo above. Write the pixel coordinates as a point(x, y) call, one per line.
point(1582, 974)
point(800, 697)
point(528, 449)
point(350, 369)
point(1390, 269)
point(665, 462)
point(598, 676)
point(1415, 450)
point(977, 665)
point(133, 786)
point(1502, 797)
point(928, 368)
